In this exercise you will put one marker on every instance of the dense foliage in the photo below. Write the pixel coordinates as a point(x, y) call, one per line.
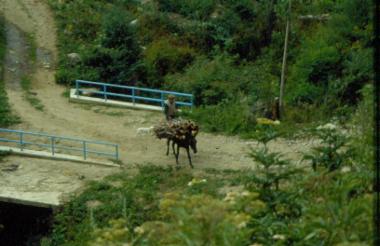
point(223, 49)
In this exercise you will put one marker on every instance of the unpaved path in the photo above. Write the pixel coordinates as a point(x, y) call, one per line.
point(98, 122)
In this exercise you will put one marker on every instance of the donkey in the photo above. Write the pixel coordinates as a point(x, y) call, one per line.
point(187, 142)
point(191, 127)
point(181, 134)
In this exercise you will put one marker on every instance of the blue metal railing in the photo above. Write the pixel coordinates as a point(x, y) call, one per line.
point(53, 143)
point(160, 94)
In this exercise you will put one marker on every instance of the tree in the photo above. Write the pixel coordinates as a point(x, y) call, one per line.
point(118, 57)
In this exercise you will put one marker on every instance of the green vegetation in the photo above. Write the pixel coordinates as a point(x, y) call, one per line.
point(29, 95)
point(228, 53)
point(32, 49)
point(3, 154)
point(6, 116)
point(224, 52)
point(276, 204)
point(26, 81)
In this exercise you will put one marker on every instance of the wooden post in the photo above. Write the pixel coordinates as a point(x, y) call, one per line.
point(281, 104)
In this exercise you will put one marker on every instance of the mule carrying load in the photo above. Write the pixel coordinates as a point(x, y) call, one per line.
point(181, 133)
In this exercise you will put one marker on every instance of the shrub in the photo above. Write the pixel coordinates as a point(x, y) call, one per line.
point(199, 35)
point(231, 117)
point(255, 28)
point(116, 60)
point(166, 57)
point(197, 9)
point(317, 66)
point(199, 219)
point(358, 71)
point(331, 154)
point(154, 25)
point(72, 23)
point(335, 212)
point(273, 170)
point(215, 80)
point(363, 129)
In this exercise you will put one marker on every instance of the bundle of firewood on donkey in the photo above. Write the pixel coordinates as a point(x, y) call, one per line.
point(180, 133)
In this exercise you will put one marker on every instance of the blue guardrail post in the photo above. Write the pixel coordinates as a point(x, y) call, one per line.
point(84, 150)
point(105, 92)
point(117, 152)
point(77, 88)
point(21, 141)
point(52, 145)
point(133, 96)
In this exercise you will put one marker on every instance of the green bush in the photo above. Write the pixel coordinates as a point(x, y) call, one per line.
point(80, 21)
point(363, 127)
point(231, 117)
point(358, 70)
point(317, 66)
point(336, 212)
point(154, 25)
point(198, 219)
point(116, 59)
point(333, 63)
point(197, 9)
point(254, 31)
point(215, 80)
point(165, 57)
point(332, 154)
point(274, 169)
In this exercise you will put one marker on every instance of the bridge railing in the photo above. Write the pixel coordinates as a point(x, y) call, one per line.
point(132, 93)
point(58, 144)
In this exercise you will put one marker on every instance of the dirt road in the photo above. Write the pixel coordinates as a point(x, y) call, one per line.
point(115, 125)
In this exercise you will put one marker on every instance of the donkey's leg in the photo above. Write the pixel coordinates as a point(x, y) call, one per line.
point(177, 154)
point(188, 155)
point(167, 145)
point(173, 144)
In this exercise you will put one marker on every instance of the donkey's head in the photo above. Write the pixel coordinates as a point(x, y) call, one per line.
point(193, 143)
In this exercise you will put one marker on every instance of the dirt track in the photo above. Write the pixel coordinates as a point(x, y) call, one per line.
point(97, 122)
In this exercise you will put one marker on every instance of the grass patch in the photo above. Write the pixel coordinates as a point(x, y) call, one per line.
point(118, 162)
point(26, 81)
point(66, 93)
point(109, 113)
point(29, 95)
point(6, 116)
point(32, 49)
point(4, 154)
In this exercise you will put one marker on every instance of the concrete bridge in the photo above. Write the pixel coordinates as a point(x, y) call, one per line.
point(45, 182)
point(51, 167)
